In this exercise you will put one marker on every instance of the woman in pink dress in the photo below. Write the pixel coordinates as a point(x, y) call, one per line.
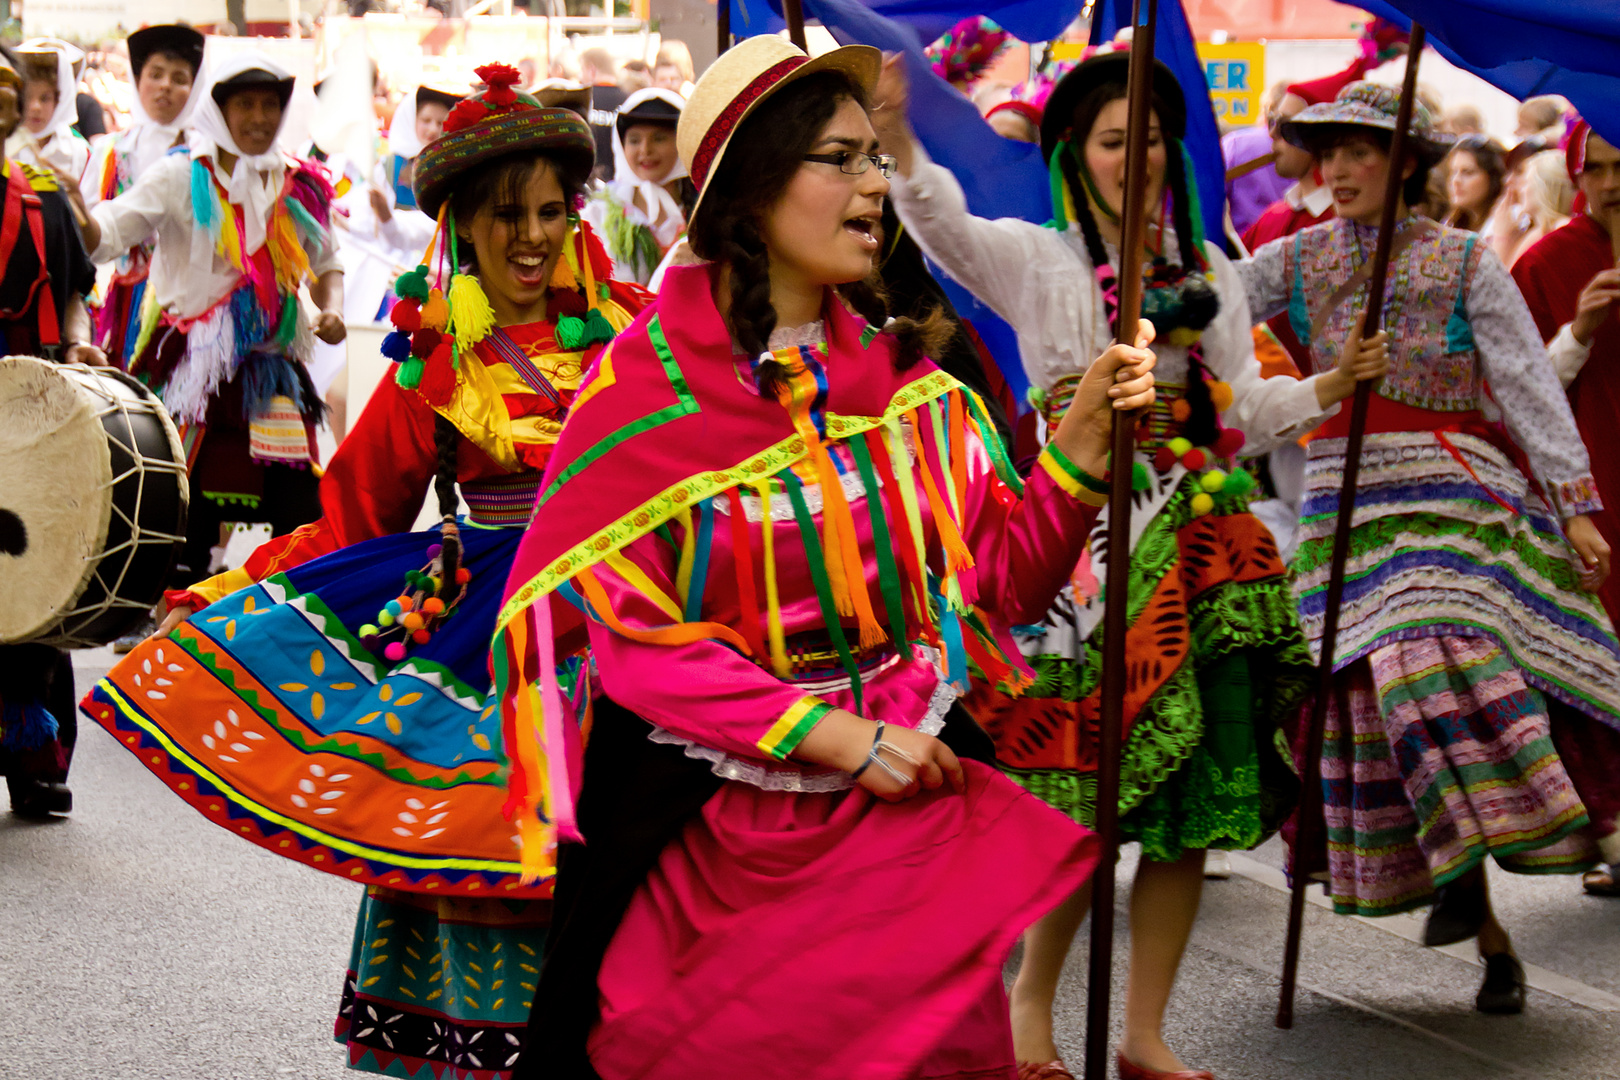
point(772, 540)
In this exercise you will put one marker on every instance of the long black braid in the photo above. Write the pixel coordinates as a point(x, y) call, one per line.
point(446, 440)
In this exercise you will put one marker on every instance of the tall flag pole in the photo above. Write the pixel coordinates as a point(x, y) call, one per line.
point(1310, 827)
point(1112, 717)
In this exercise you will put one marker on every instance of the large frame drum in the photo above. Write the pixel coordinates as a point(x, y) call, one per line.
point(93, 502)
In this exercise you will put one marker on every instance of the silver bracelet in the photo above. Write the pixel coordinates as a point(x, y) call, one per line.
point(874, 756)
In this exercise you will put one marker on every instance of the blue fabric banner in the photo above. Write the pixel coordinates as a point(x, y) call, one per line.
point(1026, 20)
point(1528, 47)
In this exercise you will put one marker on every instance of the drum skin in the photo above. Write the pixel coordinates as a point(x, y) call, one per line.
point(92, 505)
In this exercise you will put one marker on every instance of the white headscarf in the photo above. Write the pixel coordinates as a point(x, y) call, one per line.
point(255, 182)
point(402, 138)
point(151, 139)
point(67, 90)
point(625, 181)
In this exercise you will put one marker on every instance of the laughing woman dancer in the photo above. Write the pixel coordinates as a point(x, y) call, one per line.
point(1223, 661)
point(782, 532)
point(328, 700)
point(1481, 675)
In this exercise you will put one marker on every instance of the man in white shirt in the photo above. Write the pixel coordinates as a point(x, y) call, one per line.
point(240, 225)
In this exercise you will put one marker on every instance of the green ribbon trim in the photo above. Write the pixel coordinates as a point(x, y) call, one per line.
point(888, 572)
point(640, 520)
point(991, 437)
point(818, 574)
point(685, 405)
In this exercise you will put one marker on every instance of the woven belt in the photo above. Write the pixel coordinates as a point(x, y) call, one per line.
point(506, 501)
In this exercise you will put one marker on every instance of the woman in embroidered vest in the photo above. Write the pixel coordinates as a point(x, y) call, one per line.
point(328, 700)
point(1223, 659)
point(783, 533)
point(167, 62)
point(1478, 697)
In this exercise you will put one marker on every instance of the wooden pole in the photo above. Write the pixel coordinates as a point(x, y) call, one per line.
point(793, 12)
point(722, 24)
point(1112, 715)
point(1309, 827)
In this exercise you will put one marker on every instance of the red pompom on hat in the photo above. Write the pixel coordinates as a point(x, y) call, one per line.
point(501, 79)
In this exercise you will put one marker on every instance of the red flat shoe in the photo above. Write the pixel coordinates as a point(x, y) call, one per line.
point(1044, 1070)
point(1128, 1070)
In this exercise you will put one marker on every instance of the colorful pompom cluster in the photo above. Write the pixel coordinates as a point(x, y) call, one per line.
point(963, 53)
point(1205, 462)
point(414, 615)
point(501, 80)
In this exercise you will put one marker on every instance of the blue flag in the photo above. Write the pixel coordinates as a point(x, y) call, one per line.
point(1528, 47)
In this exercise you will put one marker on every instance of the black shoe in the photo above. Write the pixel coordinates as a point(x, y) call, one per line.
point(1458, 914)
point(1502, 993)
point(38, 799)
point(141, 631)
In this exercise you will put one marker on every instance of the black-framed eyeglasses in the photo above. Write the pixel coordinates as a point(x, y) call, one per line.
point(855, 163)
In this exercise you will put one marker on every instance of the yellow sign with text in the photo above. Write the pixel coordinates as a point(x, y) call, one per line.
point(1236, 73)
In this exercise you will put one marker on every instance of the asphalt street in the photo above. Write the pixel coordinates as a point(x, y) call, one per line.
point(140, 942)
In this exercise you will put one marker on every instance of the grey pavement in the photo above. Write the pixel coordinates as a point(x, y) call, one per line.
point(138, 941)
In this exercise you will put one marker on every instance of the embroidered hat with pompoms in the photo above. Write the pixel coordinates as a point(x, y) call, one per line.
point(497, 122)
point(433, 325)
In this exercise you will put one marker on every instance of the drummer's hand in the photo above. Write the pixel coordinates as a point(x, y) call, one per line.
point(329, 327)
point(177, 615)
point(83, 353)
point(1590, 548)
point(842, 740)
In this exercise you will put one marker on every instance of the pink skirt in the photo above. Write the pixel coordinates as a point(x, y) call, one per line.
point(834, 936)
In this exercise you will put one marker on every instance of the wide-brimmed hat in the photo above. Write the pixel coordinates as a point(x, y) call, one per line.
point(563, 94)
point(1369, 105)
point(256, 78)
point(175, 38)
point(1110, 66)
point(490, 125)
point(743, 77)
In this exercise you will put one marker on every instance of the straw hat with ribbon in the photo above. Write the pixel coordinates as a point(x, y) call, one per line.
point(743, 77)
point(433, 325)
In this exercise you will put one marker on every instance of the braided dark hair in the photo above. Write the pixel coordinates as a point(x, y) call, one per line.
point(446, 440)
point(765, 154)
point(1201, 426)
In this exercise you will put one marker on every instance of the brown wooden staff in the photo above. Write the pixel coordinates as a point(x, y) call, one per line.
point(1309, 829)
point(793, 12)
point(1111, 721)
point(722, 26)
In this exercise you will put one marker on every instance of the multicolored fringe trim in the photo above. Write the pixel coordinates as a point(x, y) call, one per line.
point(929, 419)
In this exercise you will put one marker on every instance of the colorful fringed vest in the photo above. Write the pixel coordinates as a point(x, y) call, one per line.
point(1434, 364)
point(664, 433)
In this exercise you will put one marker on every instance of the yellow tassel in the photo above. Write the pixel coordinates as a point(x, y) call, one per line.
point(566, 273)
point(471, 317)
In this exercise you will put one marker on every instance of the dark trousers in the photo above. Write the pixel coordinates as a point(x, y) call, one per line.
point(42, 673)
point(291, 498)
point(642, 796)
